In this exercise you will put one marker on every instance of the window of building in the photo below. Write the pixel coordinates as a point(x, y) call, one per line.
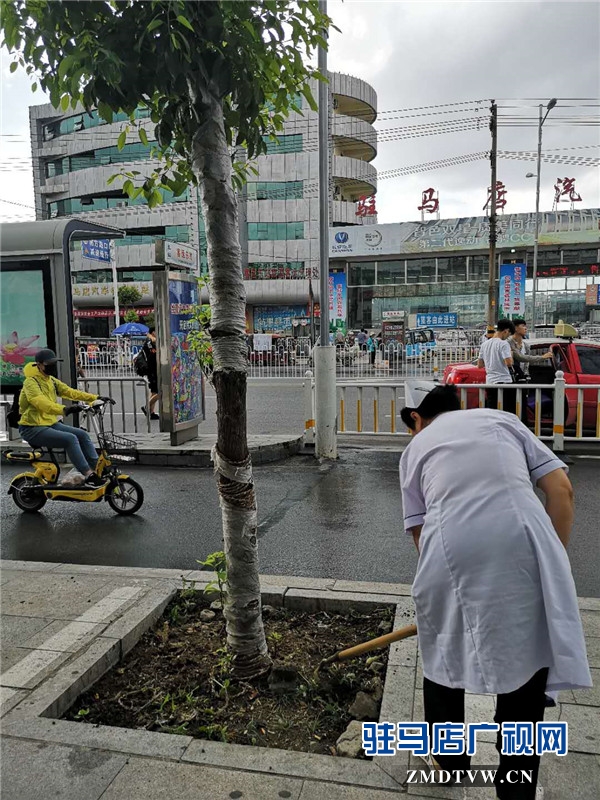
point(390, 272)
point(80, 122)
point(420, 270)
point(362, 274)
point(78, 205)
point(479, 267)
point(452, 269)
point(548, 258)
point(589, 358)
point(580, 256)
point(275, 231)
point(291, 143)
point(273, 190)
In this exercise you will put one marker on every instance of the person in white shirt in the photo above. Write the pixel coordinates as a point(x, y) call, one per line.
point(496, 605)
point(496, 357)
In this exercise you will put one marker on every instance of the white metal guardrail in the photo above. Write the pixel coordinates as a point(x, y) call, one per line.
point(131, 394)
point(557, 412)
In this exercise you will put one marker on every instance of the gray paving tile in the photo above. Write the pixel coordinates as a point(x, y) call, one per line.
point(29, 566)
point(142, 779)
point(591, 623)
point(373, 588)
point(57, 584)
point(592, 644)
point(331, 791)
point(298, 765)
point(574, 775)
point(34, 770)
point(7, 575)
point(9, 698)
point(25, 669)
point(589, 603)
point(16, 630)
point(65, 636)
point(584, 728)
point(586, 697)
point(104, 737)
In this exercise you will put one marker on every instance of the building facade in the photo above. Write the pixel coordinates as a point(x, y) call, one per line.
point(441, 266)
point(74, 155)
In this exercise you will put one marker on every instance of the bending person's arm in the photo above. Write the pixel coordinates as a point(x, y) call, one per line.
point(416, 534)
point(559, 502)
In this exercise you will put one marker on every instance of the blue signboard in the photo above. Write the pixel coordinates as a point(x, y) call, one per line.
point(511, 302)
point(337, 300)
point(96, 250)
point(442, 320)
point(186, 376)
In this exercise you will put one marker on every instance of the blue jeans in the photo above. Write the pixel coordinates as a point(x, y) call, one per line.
point(75, 441)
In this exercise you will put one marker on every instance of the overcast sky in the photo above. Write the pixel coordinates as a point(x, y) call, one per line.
point(426, 54)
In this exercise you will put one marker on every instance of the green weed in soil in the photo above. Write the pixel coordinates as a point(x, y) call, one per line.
point(177, 679)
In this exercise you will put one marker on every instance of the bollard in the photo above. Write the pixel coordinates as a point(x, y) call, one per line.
point(309, 413)
point(558, 422)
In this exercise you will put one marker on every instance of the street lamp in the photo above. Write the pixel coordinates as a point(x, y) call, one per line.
point(543, 116)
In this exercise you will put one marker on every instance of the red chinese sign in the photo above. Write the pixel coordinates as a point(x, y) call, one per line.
point(565, 187)
point(501, 192)
point(366, 206)
point(106, 312)
point(430, 202)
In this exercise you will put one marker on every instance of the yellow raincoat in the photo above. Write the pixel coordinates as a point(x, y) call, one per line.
point(38, 403)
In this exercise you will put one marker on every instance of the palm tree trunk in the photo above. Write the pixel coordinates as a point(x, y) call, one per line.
point(212, 165)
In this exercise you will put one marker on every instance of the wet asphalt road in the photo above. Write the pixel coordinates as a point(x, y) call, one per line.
point(340, 520)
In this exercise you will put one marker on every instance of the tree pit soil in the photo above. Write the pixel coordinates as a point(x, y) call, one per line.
point(177, 679)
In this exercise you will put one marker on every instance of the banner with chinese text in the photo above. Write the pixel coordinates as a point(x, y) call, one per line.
point(511, 302)
point(337, 301)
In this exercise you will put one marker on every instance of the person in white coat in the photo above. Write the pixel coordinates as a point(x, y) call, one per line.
point(495, 601)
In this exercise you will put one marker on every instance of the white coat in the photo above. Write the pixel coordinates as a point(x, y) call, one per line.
point(494, 595)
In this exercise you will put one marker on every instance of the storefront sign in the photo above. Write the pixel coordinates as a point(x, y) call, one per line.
point(446, 320)
point(176, 254)
point(464, 233)
point(23, 322)
point(512, 291)
point(96, 250)
point(337, 301)
point(106, 312)
point(392, 315)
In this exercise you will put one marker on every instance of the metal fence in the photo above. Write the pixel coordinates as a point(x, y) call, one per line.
point(108, 358)
point(131, 394)
point(557, 412)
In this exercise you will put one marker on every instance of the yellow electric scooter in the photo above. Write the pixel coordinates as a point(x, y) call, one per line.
point(31, 490)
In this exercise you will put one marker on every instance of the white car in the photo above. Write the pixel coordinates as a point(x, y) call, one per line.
point(453, 337)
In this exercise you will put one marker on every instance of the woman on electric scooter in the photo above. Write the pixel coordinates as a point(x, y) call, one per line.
point(40, 410)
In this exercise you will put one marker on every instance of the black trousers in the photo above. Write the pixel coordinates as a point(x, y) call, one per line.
point(509, 400)
point(525, 704)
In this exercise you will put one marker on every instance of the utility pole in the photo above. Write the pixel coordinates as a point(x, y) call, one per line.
point(115, 279)
point(492, 310)
point(325, 388)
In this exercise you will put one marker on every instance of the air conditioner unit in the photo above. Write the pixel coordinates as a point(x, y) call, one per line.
point(78, 126)
point(335, 103)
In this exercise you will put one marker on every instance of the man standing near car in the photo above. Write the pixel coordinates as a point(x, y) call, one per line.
point(521, 351)
point(496, 358)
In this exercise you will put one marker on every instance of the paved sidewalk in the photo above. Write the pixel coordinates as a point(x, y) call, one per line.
point(62, 625)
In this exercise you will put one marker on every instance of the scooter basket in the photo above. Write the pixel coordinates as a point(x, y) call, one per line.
point(117, 445)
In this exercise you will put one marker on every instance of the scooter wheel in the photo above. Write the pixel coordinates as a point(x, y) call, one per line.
point(126, 497)
point(25, 496)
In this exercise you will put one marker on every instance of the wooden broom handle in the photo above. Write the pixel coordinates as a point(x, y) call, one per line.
point(376, 644)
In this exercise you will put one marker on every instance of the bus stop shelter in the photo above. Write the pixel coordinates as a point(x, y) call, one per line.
point(35, 286)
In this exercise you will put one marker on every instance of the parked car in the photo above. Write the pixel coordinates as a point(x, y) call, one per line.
point(579, 359)
point(451, 338)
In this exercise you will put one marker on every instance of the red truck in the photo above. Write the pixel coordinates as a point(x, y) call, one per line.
point(579, 359)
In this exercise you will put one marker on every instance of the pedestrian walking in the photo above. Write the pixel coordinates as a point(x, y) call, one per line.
point(496, 606)
point(149, 349)
point(372, 349)
point(496, 358)
point(361, 338)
